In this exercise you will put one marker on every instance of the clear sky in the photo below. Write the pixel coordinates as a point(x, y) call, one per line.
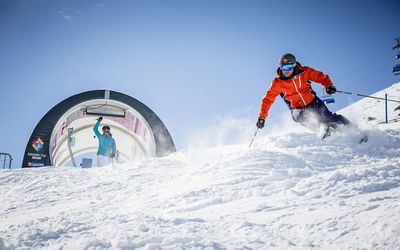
point(189, 61)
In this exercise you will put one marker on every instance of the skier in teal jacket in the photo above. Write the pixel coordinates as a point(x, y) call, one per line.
point(107, 148)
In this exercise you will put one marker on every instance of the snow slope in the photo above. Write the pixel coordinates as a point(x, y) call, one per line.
point(373, 110)
point(289, 191)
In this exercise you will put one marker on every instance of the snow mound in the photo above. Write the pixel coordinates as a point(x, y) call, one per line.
point(288, 191)
point(372, 111)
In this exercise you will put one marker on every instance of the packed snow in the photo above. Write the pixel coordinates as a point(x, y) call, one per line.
point(372, 111)
point(290, 190)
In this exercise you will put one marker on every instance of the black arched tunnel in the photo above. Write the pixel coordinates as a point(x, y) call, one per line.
point(37, 151)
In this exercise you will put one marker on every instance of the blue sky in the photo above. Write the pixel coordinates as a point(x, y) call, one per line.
point(189, 61)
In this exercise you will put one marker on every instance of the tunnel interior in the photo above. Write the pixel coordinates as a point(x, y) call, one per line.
point(129, 129)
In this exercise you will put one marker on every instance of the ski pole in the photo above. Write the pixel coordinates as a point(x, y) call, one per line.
point(253, 137)
point(368, 96)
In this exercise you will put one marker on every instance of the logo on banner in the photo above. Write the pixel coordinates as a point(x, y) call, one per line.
point(35, 164)
point(37, 144)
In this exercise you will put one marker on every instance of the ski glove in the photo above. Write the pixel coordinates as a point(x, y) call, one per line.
point(330, 89)
point(100, 119)
point(260, 123)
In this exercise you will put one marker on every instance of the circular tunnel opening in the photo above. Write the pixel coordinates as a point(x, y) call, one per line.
point(129, 129)
point(65, 136)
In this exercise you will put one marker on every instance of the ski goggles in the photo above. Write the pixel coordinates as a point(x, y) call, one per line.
point(287, 67)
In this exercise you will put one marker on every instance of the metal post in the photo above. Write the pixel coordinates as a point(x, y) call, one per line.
point(5, 156)
point(386, 109)
point(70, 144)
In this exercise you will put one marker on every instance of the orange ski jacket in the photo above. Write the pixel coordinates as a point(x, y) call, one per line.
point(296, 91)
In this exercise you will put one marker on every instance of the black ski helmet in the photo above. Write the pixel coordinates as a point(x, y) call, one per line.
point(106, 128)
point(287, 59)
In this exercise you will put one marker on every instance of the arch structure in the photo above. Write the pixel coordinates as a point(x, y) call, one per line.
point(66, 131)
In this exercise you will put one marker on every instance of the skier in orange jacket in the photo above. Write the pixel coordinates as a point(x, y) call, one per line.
point(293, 84)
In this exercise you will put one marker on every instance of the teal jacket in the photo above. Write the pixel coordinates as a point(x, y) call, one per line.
point(106, 142)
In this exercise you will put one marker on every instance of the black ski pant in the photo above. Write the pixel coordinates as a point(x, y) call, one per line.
point(318, 110)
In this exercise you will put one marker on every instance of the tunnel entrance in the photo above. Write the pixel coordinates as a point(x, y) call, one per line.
point(64, 136)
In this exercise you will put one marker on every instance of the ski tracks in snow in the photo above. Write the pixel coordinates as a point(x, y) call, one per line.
point(287, 191)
